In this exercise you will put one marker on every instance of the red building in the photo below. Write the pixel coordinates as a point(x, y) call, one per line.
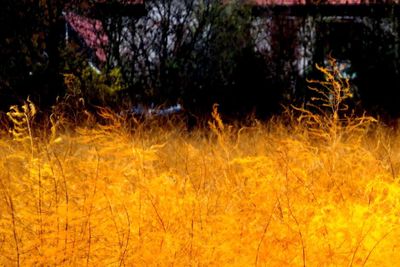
point(89, 28)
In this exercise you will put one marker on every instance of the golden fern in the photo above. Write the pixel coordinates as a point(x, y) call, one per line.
point(22, 119)
point(328, 114)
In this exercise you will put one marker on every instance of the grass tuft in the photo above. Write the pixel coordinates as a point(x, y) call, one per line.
point(317, 188)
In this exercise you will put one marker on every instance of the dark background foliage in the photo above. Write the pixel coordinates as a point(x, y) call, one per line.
point(195, 53)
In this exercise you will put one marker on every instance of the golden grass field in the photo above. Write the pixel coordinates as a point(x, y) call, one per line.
point(300, 190)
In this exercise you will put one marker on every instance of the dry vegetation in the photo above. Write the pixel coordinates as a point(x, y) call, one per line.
point(305, 189)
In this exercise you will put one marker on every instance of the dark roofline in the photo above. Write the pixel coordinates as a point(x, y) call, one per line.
point(360, 10)
point(115, 8)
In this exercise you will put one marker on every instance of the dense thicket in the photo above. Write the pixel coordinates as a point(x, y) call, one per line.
point(193, 52)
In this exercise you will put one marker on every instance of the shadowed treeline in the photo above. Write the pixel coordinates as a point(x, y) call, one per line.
point(249, 59)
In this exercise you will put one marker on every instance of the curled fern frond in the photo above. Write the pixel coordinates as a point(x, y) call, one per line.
point(328, 114)
point(22, 119)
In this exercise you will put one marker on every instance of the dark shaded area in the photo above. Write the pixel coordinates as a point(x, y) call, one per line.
point(371, 46)
point(30, 51)
point(169, 59)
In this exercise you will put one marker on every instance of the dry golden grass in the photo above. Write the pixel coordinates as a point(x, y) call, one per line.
point(282, 193)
